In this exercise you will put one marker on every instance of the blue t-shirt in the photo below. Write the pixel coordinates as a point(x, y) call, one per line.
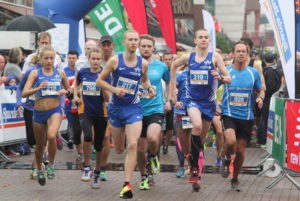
point(201, 85)
point(238, 99)
point(157, 70)
point(69, 73)
point(181, 79)
point(94, 104)
point(126, 78)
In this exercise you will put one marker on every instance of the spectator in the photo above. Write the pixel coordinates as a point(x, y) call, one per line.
point(12, 67)
point(11, 83)
point(3, 78)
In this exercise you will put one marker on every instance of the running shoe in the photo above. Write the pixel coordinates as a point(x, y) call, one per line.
point(194, 176)
point(103, 176)
point(144, 184)
point(151, 181)
point(225, 167)
point(180, 173)
point(218, 162)
point(60, 144)
point(50, 172)
point(34, 173)
point(165, 149)
point(87, 174)
point(126, 192)
point(96, 183)
point(155, 165)
point(41, 178)
point(235, 185)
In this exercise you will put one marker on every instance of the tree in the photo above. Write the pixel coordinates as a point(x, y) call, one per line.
point(223, 42)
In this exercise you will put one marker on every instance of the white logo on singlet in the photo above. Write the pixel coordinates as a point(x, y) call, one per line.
point(207, 62)
point(121, 68)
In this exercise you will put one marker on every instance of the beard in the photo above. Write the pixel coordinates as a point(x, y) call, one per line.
point(146, 56)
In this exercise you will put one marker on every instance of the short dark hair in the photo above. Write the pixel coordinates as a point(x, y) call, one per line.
point(147, 37)
point(248, 41)
point(166, 53)
point(73, 52)
point(240, 42)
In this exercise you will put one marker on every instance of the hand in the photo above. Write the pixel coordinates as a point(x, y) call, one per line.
point(63, 92)
point(77, 100)
point(152, 92)
point(120, 92)
point(259, 102)
point(3, 79)
point(178, 105)
point(167, 106)
point(216, 75)
point(218, 112)
point(43, 85)
point(20, 108)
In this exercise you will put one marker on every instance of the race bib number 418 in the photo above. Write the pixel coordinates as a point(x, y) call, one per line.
point(52, 89)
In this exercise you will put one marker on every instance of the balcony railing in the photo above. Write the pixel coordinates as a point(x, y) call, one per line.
point(22, 3)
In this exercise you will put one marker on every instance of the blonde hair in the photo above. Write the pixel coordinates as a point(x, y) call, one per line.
point(44, 49)
point(14, 55)
point(95, 50)
point(147, 37)
point(44, 35)
point(130, 31)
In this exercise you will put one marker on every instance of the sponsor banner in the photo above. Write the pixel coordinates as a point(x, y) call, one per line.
point(270, 130)
point(293, 134)
point(209, 25)
point(164, 14)
point(284, 30)
point(297, 8)
point(108, 18)
point(278, 137)
point(12, 128)
point(137, 15)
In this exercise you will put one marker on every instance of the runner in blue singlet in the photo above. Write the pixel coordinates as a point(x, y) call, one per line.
point(200, 96)
point(125, 111)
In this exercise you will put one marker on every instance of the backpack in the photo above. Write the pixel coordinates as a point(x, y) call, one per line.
point(275, 83)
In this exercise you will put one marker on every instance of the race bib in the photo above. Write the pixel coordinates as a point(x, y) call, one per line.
point(90, 89)
point(239, 99)
point(144, 92)
point(127, 84)
point(186, 123)
point(199, 77)
point(52, 89)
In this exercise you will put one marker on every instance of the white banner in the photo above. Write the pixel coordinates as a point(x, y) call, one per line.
point(270, 130)
point(281, 16)
point(209, 25)
point(12, 128)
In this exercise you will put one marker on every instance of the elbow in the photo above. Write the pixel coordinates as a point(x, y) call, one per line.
point(23, 95)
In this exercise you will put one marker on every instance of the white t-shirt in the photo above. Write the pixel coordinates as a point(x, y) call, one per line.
point(27, 64)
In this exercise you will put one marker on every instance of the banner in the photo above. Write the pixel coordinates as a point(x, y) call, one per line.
point(270, 130)
point(108, 18)
point(281, 17)
point(278, 137)
point(209, 25)
point(293, 135)
point(137, 15)
point(12, 128)
point(164, 15)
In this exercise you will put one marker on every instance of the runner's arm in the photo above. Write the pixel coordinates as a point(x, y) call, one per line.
point(218, 62)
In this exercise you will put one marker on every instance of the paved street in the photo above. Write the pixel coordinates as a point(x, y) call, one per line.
point(16, 185)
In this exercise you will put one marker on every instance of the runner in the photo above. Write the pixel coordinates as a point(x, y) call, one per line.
point(95, 113)
point(107, 45)
point(46, 83)
point(167, 58)
point(125, 110)
point(153, 110)
point(237, 110)
point(201, 88)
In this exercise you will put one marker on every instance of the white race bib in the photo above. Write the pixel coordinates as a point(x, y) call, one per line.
point(90, 89)
point(127, 84)
point(186, 123)
point(144, 92)
point(199, 77)
point(239, 99)
point(52, 89)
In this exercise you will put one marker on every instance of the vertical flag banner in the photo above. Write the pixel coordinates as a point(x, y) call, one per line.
point(108, 18)
point(281, 17)
point(209, 25)
point(270, 130)
point(278, 142)
point(293, 135)
point(164, 14)
point(137, 15)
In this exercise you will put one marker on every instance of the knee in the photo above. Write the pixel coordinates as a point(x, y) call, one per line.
point(230, 142)
point(197, 127)
point(132, 146)
point(51, 137)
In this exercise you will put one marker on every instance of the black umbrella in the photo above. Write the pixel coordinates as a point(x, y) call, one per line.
point(29, 23)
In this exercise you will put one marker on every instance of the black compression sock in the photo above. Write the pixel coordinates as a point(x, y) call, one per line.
point(196, 147)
